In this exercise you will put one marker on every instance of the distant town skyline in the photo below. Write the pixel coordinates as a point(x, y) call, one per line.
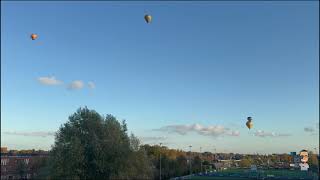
point(191, 77)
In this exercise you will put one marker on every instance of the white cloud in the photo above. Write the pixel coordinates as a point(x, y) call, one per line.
point(234, 133)
point(261, 133)
point(213, 130)
point(309, 129)
point(77, 84)
point(91, 85)
point(50, 81)
point(38, 133)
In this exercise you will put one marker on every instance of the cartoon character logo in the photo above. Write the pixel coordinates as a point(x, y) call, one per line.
point(304, 157)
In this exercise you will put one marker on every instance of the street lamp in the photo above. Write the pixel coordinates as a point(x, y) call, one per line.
point(190, 161)
point(201, 160)
point(160, 160)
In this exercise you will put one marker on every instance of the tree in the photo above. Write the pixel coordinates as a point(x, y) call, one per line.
point(39, 167)
point(42, 170)
point(205, 163)
point(313, 162)
point(286, 158)
point(134, 143)
point(245, 163)
point(167, 167)
point(138, 165)
point(22, 168)
point(90, 146)
point(196, 166)
point(182, 165)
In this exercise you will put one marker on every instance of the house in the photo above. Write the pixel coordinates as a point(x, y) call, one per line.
point(218, 166)
point(4, 150)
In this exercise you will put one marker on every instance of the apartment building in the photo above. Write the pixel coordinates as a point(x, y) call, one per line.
point(19, 166)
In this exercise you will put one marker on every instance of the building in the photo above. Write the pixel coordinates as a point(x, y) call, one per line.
point(10, 167)
point(19, 166)
point(229, 163)
point(218, 166)
point(293, 153)
point(4, 150)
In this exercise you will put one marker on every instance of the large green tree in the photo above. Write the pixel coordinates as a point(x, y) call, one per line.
point(90, 146)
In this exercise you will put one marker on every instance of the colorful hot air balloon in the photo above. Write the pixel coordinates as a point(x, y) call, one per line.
point(148, 18)
point(34, 36)
point(249, 123)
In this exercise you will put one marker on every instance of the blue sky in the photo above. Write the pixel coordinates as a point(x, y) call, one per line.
point(200, 68)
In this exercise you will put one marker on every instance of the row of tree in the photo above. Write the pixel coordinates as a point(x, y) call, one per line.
point(92, 146)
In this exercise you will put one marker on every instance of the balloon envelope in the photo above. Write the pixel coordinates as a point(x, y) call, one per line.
point(249, 124)
point(148, 18)
point(34, 36)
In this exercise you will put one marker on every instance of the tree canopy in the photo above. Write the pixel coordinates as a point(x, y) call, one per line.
point(90, 146)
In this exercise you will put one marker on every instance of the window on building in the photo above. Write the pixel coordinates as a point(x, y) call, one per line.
point(4, 162)
point(26, 161)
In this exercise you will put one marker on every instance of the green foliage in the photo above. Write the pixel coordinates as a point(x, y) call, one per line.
point(196, 164)
point(137, 165)
point(181, 165)
point(245, 163)
point(313, 162)
point(90, 146)
point(42, 171)
point(22, 168)
point(205, 163)
point(39, 167)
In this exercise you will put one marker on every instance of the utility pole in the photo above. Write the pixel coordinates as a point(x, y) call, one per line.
point(160, 161)
point(201, 159)
point(190, 161)
point(212, 155)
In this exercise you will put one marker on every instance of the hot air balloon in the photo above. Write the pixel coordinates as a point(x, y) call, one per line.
point(249, 123)
point(148, 18)
point(34, 36)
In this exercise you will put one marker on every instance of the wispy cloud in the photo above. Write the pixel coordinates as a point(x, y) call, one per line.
point(234, 133)
point(309, 129)
point(50, 81)
point(37, 133)
point(213, 130)
point(261, 133)
point(77, 84)
point(312, 130)
point(91, 85)
point(145, 139)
